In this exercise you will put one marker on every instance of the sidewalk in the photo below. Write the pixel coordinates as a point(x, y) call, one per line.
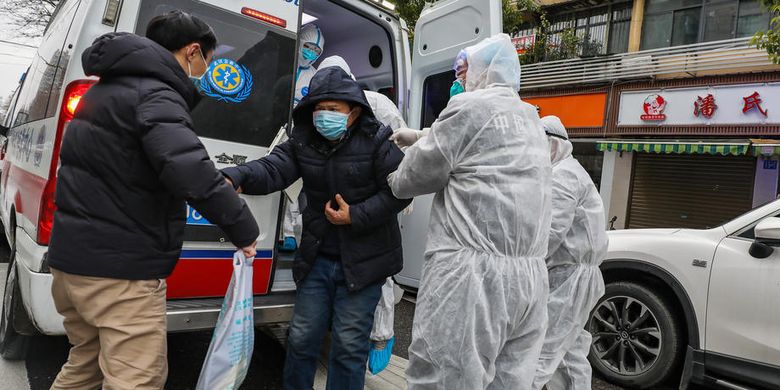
point(393, 377)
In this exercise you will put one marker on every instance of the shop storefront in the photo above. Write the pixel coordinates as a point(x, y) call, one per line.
point(693, 180)
point(687, 185)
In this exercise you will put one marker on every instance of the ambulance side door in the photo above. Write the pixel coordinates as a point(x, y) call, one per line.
point(442, 30)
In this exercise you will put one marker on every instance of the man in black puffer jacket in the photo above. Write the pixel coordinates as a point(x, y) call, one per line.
point(351, 241)
point(129, 160)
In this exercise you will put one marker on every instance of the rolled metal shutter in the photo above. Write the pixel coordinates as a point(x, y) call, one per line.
point(689, 191)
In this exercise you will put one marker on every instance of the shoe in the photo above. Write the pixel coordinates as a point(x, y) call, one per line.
point(288, 245)
point(379, 356)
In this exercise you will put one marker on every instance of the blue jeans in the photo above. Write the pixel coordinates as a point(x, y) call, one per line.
point(323, 302)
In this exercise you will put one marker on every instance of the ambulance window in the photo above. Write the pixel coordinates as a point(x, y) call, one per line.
point(41, 92)
point(436, 95)
point(248, 88)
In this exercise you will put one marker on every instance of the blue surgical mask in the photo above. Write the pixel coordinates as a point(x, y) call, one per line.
point(197, 79)
point(457, 88)
point(309, 54)
point(330, 124)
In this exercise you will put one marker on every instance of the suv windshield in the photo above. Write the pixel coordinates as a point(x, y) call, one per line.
point(248, 87)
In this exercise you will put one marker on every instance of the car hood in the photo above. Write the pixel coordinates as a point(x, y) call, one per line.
point(643, 232)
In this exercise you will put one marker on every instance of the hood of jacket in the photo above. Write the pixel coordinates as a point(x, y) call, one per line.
point(333, 83)
point(125, 54)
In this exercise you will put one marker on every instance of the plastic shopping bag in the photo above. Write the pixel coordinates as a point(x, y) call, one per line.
point(382, 336)
point(231, 346)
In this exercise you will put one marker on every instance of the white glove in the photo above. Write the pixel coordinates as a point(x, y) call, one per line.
point(404, 137)
point(409, 209)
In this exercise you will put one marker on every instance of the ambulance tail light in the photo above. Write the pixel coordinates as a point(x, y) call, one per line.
point(70, 104)
point(252, 13)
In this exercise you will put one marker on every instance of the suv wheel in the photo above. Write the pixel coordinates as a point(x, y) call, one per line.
point(637, 341)
point(13, 346)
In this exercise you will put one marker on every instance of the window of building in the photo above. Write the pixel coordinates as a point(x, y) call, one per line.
point(619, 30)
point(674, 23)
point(753, 17)
point(600, 30)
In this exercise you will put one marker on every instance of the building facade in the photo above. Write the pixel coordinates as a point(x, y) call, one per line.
point(673, 113)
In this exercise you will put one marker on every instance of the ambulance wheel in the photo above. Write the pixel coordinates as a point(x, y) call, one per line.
point(13, 346)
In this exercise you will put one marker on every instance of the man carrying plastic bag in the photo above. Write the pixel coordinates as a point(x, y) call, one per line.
point(231, 347)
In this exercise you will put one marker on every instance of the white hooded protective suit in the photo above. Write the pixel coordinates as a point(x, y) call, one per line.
point(312, 41)
point(578, 244)
point(481, 309)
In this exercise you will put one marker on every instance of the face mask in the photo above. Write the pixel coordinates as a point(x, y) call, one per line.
point(196, 79)
point(331, 124)
point(309, 54)
point(457, 88)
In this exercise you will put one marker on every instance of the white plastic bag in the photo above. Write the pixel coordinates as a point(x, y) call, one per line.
point(383, 315)
point(231, 346)
point(382, 338)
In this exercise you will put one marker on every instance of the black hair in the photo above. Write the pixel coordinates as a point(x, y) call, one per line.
point(177, 29)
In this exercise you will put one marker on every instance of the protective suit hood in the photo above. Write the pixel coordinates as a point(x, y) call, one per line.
point(310, 35)
point(560, 146)
point(493, 62)
point(338, 62)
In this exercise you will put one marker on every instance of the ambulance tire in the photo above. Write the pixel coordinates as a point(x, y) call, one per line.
point(13, 345)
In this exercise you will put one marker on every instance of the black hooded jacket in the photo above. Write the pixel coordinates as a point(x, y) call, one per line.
point(357, 168)
point(129, 160)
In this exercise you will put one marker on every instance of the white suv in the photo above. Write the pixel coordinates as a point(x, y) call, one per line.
point(704, 303)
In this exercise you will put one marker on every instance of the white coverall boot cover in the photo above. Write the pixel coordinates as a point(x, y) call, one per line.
point(481, 308)
point(578, 244)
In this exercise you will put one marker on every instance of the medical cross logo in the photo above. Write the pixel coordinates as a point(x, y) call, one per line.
point(227, 81)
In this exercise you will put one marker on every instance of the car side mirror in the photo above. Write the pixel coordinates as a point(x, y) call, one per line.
point(767, 234)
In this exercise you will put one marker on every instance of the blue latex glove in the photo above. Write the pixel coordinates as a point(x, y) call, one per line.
point(379, 358)
point(289, 245)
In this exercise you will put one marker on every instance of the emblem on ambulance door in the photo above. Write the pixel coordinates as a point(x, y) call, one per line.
point(227, 81)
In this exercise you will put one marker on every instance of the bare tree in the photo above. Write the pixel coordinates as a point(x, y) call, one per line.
point(5, 104)
point(30, 17)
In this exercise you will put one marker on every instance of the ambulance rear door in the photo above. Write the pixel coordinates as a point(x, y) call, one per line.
point(443, 29)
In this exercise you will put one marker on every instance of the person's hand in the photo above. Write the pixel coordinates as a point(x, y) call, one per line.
point(404, 137)
point(230, 183)
point(340, 216)
point(250, 251)
point(409, 209)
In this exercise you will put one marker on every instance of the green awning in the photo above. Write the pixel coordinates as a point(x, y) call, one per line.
point(734, 149)
point(766, 150)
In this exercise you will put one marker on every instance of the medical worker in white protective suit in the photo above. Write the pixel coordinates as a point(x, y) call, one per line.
point(312, 46)
point(578, 244)
point(382, 335)
point(481, 309)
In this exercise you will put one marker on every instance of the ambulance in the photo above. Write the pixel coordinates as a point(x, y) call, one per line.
point(259, 40)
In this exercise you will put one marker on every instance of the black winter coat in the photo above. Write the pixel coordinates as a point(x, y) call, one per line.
point(129, 160)
point(357, 168)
